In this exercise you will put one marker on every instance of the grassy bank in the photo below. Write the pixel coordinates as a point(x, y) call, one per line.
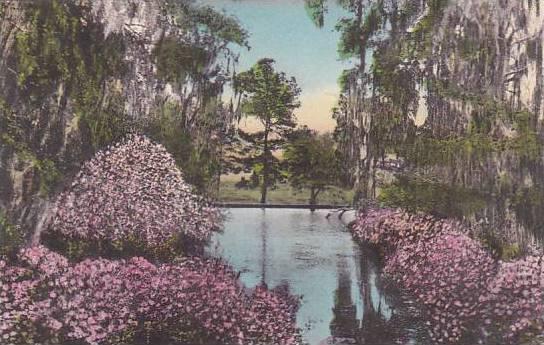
point(282, 194)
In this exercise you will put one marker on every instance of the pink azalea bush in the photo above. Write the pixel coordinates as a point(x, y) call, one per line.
point(132, 192)
point(15, 304)
point(102, 301)
point(393, 228)
point(446, 274)
point(463, 290)
point(515, 299)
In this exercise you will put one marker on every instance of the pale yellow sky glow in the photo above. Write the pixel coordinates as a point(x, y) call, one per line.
point(315, 110)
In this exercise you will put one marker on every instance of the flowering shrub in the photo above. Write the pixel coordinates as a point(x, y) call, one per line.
point(16, 308)
point(515, 299)
point(447, 274)
point(464, 291)
point(105, 301)
point(393, 228)
point(132, 193)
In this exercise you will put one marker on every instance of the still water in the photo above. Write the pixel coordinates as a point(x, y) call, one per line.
point(343, 298)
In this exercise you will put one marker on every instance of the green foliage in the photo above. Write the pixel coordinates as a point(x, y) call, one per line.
point(64, 54)
point(316, 10)
point(283, 193)
point(356, 32)
point(107, 125)
point(205, 21)
point(395, 85)
point(511, 252)
point(80, 249)
point(427, 151)
point(528, 205)
point(49, 175)
point(345, 79)
point(11, 237)
point(46, 169)
point(527, 141)
point(311, 162)
point(500, 247)
point(196, 129)
point(477, 145)
point(350, 35)
point(177, 60)
point(62, 49)
point(431, 197)
point(219, 25)
point(197, 160)
point(422, 35)
point(270, 97)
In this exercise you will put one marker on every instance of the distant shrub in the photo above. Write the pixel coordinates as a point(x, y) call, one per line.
point(132, 197)
point(44, 299)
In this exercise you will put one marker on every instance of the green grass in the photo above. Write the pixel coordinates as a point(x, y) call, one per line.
point(283, 194)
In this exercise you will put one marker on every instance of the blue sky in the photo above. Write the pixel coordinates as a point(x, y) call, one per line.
point(281, 29)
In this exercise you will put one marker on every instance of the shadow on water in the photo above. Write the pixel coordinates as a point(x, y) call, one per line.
point(344, 300)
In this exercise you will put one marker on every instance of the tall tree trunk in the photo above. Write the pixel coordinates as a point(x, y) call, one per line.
point(362, 49)
point(264, 187)
point(314, 192)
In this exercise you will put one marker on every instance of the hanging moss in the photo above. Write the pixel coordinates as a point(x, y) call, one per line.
point(478, 142)
point(427, 151)
point(422, 36)
point(345, 79)
point(11, 237)
point(528, 205)
point(197, 159)
point(176, 60)
point(10, 136)
point(63, 48)
point(443, 200)
point(47, 171)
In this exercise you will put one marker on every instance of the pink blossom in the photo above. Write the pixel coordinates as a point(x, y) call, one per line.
point(133, 191)
point(98, 300)
point(463, 291)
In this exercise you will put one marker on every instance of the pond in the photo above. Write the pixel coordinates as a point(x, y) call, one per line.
point(343, 298)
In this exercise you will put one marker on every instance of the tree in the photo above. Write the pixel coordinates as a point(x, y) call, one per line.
point(360, 132)
point(198, 65)
point(270, 97)
point(312, 162)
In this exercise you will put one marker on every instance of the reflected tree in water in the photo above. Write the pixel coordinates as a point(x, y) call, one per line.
point(344, 324)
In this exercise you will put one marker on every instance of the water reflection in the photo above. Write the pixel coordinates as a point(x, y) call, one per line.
point(264, 227)
point(381, 322)
point(344, 323)
point(343, 300)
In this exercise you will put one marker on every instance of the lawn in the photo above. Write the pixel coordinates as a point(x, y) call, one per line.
point(282, 194)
